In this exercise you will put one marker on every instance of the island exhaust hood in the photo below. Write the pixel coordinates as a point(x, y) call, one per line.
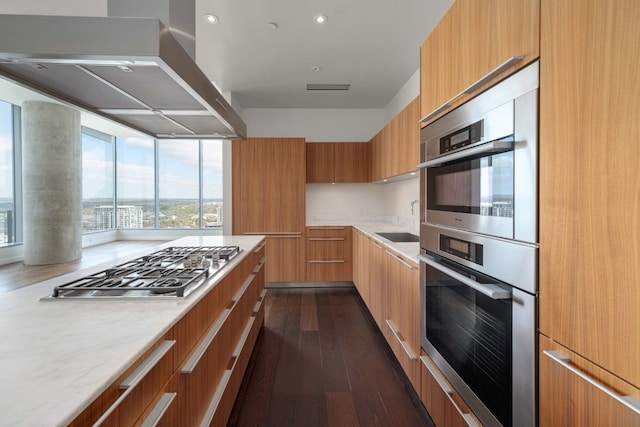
point(130, 70)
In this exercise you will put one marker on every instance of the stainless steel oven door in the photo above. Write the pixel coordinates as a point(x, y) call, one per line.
point(481, 333)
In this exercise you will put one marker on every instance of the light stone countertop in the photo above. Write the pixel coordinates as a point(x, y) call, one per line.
point(410, 250)
point(58, 356)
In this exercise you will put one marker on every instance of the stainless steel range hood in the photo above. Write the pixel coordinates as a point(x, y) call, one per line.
point(130, 70)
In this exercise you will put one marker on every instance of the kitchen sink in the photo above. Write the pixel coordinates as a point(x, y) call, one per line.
point(400, 237)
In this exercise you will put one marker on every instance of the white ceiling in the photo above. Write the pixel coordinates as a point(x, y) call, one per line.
point(374, 45)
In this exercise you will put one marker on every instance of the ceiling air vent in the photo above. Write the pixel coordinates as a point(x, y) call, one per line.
point(323, 86)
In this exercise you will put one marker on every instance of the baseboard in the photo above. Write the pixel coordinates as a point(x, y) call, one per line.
point(308, 285)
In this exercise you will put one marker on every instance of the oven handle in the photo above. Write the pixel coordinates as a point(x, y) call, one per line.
point(492, 291)
point(498, 146)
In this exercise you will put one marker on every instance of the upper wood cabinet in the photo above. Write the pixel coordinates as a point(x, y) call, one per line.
point(329, 162)
point(268, 185)
point(473, 39)
point(590, 181)
point(396, 148)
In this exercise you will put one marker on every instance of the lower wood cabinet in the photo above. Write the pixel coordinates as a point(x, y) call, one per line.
point(286, 255)
point(192, 375)
point(446, 407)
point(389, 285)
point(575, 392)
point(361, 265)
point(402, 328)
point(329, 254)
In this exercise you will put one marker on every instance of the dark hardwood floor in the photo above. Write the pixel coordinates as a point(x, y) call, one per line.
point(321, 361)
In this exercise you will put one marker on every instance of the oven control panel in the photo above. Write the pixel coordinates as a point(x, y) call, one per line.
point(466, 250)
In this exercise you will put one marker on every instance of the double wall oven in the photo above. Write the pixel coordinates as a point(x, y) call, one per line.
point(479, 249)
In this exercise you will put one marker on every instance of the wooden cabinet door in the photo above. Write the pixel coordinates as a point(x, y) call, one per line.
point(473, 39)
point(320, 162)
point(590, 181)
point(284, 184)
point(408, 146)
point(285, 259)
point(403, 300)
point(352, 162)
point(269, 185)
point(361, 265)
point(248, 170)
point(378, 283)
point(445, 406)
point(567, 399)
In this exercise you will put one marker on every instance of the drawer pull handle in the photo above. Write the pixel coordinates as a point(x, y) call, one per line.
point(326, 239)
point(412, 267)
point(471, 422)
point(259, 266)
point(141, 371)
point(474, 86)
point(224, 381)
point(272, 233)
point(628, 401)
point(259, 248)
point(158, 411)
point(243, 289)
point(326, 228)
point(130, 383)
point(191, 364)
point(402, 342)
point(330, 261)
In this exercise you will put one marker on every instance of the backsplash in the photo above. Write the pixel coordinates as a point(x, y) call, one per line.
point(387, 203)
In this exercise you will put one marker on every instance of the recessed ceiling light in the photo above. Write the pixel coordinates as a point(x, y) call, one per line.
point(320, 19)
point(211, 18)
point(272, 26)
point(316, 68)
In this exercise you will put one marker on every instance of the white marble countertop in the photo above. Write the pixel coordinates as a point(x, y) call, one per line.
point(58, 356)
point(410, 250)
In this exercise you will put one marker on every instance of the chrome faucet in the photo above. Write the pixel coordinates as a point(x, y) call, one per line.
point(412, 204)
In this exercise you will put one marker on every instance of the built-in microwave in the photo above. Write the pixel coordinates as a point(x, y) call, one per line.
point(479, 162)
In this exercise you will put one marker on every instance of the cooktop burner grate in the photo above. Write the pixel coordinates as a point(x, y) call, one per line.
point(174, 271)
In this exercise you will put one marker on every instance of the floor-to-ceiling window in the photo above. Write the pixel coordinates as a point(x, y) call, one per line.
point(212, 184)
point(97, 181)
point(179, 183)
point(6, 174)
point(136, 182)
point(10, 171)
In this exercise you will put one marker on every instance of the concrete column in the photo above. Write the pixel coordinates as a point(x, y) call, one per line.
point(51, 183)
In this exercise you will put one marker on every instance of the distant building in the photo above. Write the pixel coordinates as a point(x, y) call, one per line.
point(128, 217)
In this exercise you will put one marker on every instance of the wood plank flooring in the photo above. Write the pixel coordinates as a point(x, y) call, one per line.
point(321, 361)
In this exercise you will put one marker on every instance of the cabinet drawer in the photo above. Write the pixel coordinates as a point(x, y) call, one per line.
point(446, 407)
point(329, 231)
point(325, 250)
point(406, 355)
point(128, 398)
point(575, 392)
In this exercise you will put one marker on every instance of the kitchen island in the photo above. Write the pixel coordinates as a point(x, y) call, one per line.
point(60, 356)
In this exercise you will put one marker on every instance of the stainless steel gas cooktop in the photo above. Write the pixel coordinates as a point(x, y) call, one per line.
point(173, 272)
